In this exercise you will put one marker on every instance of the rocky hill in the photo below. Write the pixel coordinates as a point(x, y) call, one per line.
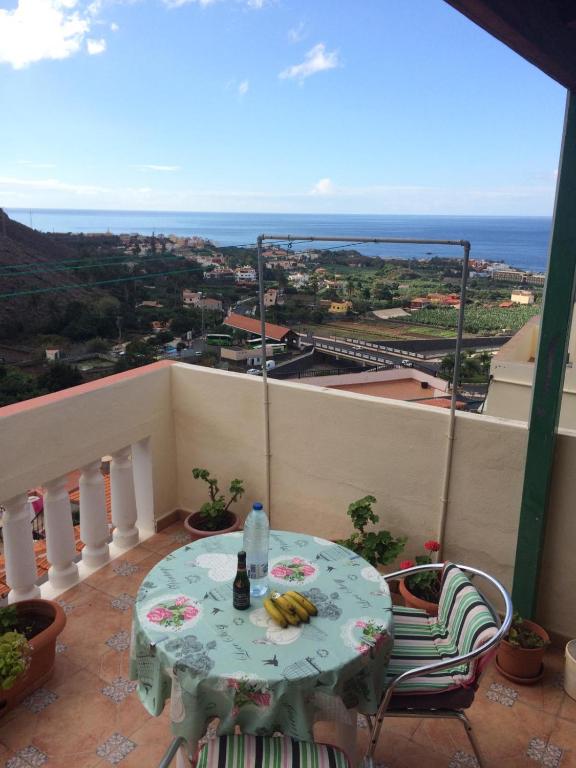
point(28, 261)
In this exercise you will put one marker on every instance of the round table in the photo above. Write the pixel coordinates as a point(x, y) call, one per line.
point(190, 645)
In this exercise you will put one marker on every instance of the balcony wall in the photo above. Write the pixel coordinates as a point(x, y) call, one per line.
point(327, 449)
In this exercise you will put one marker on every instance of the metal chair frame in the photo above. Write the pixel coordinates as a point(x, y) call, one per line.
point(459, 714)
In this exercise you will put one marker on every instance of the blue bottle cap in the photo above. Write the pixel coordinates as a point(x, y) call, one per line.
point(257, 505)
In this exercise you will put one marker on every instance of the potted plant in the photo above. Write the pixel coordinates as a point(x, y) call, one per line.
point(28, 633)
point(377, 547)
point(214, 515)
point(521, 653)
point(422, 590)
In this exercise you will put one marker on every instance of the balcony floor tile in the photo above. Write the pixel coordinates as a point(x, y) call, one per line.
point(516, 726)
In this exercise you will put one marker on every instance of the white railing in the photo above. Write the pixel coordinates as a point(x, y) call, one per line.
point(132, 521)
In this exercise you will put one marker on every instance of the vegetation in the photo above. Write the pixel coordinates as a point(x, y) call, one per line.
point(521, 636)
point(214, 511)
point(377, 547)
point(14, 649)
point(478, 319)
point(425, 585)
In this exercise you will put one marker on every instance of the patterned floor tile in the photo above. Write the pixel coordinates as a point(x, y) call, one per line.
point(124, 568)
point(123, 602)
point(115, 748)
point(463, 760)
point(120, 641)
point(502, 694)
point(39, 700)
point(119, 689)
point(61, 647)
point(68, 607)
point(29, 757)
point(542, 752)
point(181, 538)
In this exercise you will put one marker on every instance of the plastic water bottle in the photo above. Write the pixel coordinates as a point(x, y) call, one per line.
point(256, 545)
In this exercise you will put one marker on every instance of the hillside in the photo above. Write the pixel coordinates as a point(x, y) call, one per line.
point(34, 256)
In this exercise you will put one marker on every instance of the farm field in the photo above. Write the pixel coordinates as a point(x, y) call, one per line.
point(478, 319)
point(378, 331)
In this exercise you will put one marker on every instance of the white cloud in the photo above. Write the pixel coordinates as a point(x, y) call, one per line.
point(32, 164)
point(180, 3)
point(50, 185)
point(297, 34)
point(153, 167)
point(316, 60)
point(114, 27)
point(243, 88)
point(323, 187)
point(47, 29)
point(95, 47)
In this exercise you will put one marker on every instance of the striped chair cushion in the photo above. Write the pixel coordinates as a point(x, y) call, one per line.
point(244, 751)
point(464, 623)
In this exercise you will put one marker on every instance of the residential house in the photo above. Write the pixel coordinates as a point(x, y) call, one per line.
point(522, 297)
point(245, 275)
point(340, 307)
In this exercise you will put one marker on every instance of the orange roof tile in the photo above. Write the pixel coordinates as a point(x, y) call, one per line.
point(249, 324)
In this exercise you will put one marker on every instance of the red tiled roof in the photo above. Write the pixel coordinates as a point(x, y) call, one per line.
point(249, 324)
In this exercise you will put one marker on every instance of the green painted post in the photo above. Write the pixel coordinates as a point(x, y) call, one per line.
point(549, 376)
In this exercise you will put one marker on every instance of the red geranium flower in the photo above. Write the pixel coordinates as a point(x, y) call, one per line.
point(432, 546)
point(406, 564)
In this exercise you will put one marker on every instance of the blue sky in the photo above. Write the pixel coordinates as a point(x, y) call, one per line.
point(331, 106)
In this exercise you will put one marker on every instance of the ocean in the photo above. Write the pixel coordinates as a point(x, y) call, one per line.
point(518, 241)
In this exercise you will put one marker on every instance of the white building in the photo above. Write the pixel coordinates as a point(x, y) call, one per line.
point(522, 297)
point(245, 275)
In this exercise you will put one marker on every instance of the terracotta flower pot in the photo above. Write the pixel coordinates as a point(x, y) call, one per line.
point(193, 524)
point(43, 652)
point(411, 601)
point(522, 665)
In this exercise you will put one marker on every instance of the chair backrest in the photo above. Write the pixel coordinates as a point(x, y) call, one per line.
point(465, 622)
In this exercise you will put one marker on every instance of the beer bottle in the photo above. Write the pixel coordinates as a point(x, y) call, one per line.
point(241, 586)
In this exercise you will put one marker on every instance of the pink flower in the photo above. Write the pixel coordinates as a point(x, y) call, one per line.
point(233, 683)
point(261, 699)
point(363, 648)
point(432, 546)
point(406, 564)
point(181, 600)
point(361, 624)
point(297, 560)
point(280, 571)
point(308, 570)
point(158, 614)
point(190, 612)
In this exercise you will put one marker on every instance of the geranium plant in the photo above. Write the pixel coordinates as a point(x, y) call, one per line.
point(214, 511)
point(378, 547)
point(521, 636)
point(14, 649)
point(425, 585)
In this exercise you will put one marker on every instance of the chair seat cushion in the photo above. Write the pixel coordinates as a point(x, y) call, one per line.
point(464, 623)
point(245, 751)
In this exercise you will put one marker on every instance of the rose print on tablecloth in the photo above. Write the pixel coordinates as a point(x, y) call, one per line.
point(292, 570)
point(366, 634)
point(247, 691)
point(172, 613)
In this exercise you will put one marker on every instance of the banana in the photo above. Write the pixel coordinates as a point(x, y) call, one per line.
point(297, 607)
point(274, 612)
point(308, 605)
point(286, 609)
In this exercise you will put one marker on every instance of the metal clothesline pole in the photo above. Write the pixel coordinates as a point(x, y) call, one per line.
point(465, 244)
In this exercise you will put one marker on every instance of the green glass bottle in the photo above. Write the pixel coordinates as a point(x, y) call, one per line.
point(241, 586)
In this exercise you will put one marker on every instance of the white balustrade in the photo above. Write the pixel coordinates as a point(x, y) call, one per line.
point(124, 513)
point(61, 547)
point(143, 486)
point(94, 530)
point(21, 573)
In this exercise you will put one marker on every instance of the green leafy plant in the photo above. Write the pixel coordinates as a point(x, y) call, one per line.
point(214, 511)
point(521, 636)
point(8, 618)
point(14, 658)
point(377, 547)
point(425, 585)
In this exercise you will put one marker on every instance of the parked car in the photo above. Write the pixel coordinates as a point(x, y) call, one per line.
point(407, 364)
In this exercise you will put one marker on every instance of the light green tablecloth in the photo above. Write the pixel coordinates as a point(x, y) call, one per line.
point(214, 661)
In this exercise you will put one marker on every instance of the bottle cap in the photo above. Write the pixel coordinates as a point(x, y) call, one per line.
point(257, 505)
point(241, 555)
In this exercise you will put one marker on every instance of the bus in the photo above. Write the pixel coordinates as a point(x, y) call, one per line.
point(277, 349)
point(219, 339)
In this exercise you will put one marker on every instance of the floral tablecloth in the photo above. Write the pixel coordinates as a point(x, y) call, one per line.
point(190, 645)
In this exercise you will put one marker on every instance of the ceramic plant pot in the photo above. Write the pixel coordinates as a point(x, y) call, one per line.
point(193, 524)
point(411, 601)
point(42, 647)
point(522, 665)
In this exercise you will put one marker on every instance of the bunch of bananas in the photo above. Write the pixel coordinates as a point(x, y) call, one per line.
point(289, 608)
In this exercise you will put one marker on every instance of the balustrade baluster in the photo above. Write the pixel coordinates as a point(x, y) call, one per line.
point(124, 512)
point(143, 486)
point(94, 530)
point(21, 572)
point(61, 546)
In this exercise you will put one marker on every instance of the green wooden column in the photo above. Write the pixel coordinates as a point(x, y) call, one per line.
point(549, 376)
